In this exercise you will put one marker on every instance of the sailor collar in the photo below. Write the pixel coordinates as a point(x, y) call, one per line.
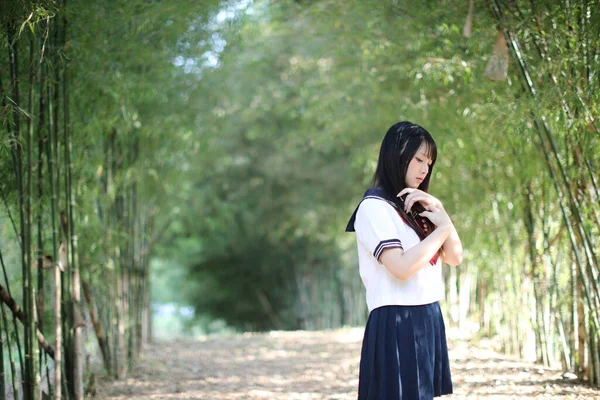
point(372, 193)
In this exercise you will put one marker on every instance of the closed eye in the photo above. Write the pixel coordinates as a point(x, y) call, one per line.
point(421, 160)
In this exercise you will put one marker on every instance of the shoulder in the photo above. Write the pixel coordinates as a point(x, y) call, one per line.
point(379, 212)
point(375, 206)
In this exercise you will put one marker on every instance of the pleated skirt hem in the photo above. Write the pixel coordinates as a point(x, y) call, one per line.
point(404, 354)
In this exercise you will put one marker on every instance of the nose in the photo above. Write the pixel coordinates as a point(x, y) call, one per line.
point(424, 169)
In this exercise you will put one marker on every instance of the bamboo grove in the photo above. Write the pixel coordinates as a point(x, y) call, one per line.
point(557, 56)
point(81, 236)
point(232, 146)
point(508, 89)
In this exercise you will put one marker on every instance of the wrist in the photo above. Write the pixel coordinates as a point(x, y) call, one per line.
point(446, 228)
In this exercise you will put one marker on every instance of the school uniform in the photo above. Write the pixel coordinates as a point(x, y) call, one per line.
point(404, 353)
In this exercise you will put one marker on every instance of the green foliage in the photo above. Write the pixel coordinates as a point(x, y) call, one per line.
point(244, 134)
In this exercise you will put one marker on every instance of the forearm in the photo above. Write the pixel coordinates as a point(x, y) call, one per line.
point(453, 249)
point(404, 264)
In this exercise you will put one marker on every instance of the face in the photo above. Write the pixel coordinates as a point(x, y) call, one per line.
point(418, 168)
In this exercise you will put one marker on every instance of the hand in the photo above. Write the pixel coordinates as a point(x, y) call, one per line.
point(438, 217)
point(422, 197)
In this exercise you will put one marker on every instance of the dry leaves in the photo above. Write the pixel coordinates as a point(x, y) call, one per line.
point(317, 365)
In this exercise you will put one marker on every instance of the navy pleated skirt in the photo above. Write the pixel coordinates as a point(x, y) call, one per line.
point(404, 354)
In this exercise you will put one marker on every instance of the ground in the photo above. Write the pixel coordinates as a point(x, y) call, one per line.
point(318, 365)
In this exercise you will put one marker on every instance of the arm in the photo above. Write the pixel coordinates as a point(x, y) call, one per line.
point(404, 264)
point(453, 249)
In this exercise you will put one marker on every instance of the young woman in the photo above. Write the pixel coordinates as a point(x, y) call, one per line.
point(403, 232)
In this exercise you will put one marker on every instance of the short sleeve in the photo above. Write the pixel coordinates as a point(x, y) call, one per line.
point(376, 228)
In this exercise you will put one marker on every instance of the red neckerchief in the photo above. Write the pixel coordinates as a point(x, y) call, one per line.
point(434, 259)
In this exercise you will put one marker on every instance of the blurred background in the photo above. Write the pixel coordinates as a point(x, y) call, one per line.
point(182, 168)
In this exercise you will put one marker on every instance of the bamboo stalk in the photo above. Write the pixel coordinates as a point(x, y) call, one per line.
point(14, 320)
point(147, 224)
point(592, 350)
point(52, 165)
point(2, 373)
point(135, 273)
point(553, 306)
point(539, 289)
point(17, 152)
point(66, 339)
point(130, 279)
point(13, 61)
point(77, 344)
point(595, 356)
point(10, 216)
point(40, 195)
point(116, 334)
point(13, 373)
point(58, 334)
point(573, 321)
point(32, 354)
point(550, 281)
point(51, 161)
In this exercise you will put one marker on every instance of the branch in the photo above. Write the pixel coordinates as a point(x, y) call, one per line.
point(96, 321)
point(18, 312)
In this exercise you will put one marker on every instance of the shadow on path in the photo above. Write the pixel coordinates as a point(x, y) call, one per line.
point(316, 365)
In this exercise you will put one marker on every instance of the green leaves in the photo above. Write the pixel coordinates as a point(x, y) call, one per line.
point(261, 124)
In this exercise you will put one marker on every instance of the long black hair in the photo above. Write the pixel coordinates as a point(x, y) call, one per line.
point(399, 146)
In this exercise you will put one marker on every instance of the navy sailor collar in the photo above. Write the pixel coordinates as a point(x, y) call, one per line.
point(372, 193)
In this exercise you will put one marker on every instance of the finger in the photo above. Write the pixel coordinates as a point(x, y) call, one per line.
point(404, 191)
point(421, 199)
point(419, 196)
point(410, 199)
point(411, 202)
point(424, 199)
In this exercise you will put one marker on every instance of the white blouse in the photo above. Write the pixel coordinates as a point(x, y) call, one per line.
point(378, 227)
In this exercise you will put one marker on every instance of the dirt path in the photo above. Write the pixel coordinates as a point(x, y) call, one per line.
point(316, 365)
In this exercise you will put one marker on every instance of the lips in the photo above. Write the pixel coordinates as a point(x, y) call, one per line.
point(420, 179)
